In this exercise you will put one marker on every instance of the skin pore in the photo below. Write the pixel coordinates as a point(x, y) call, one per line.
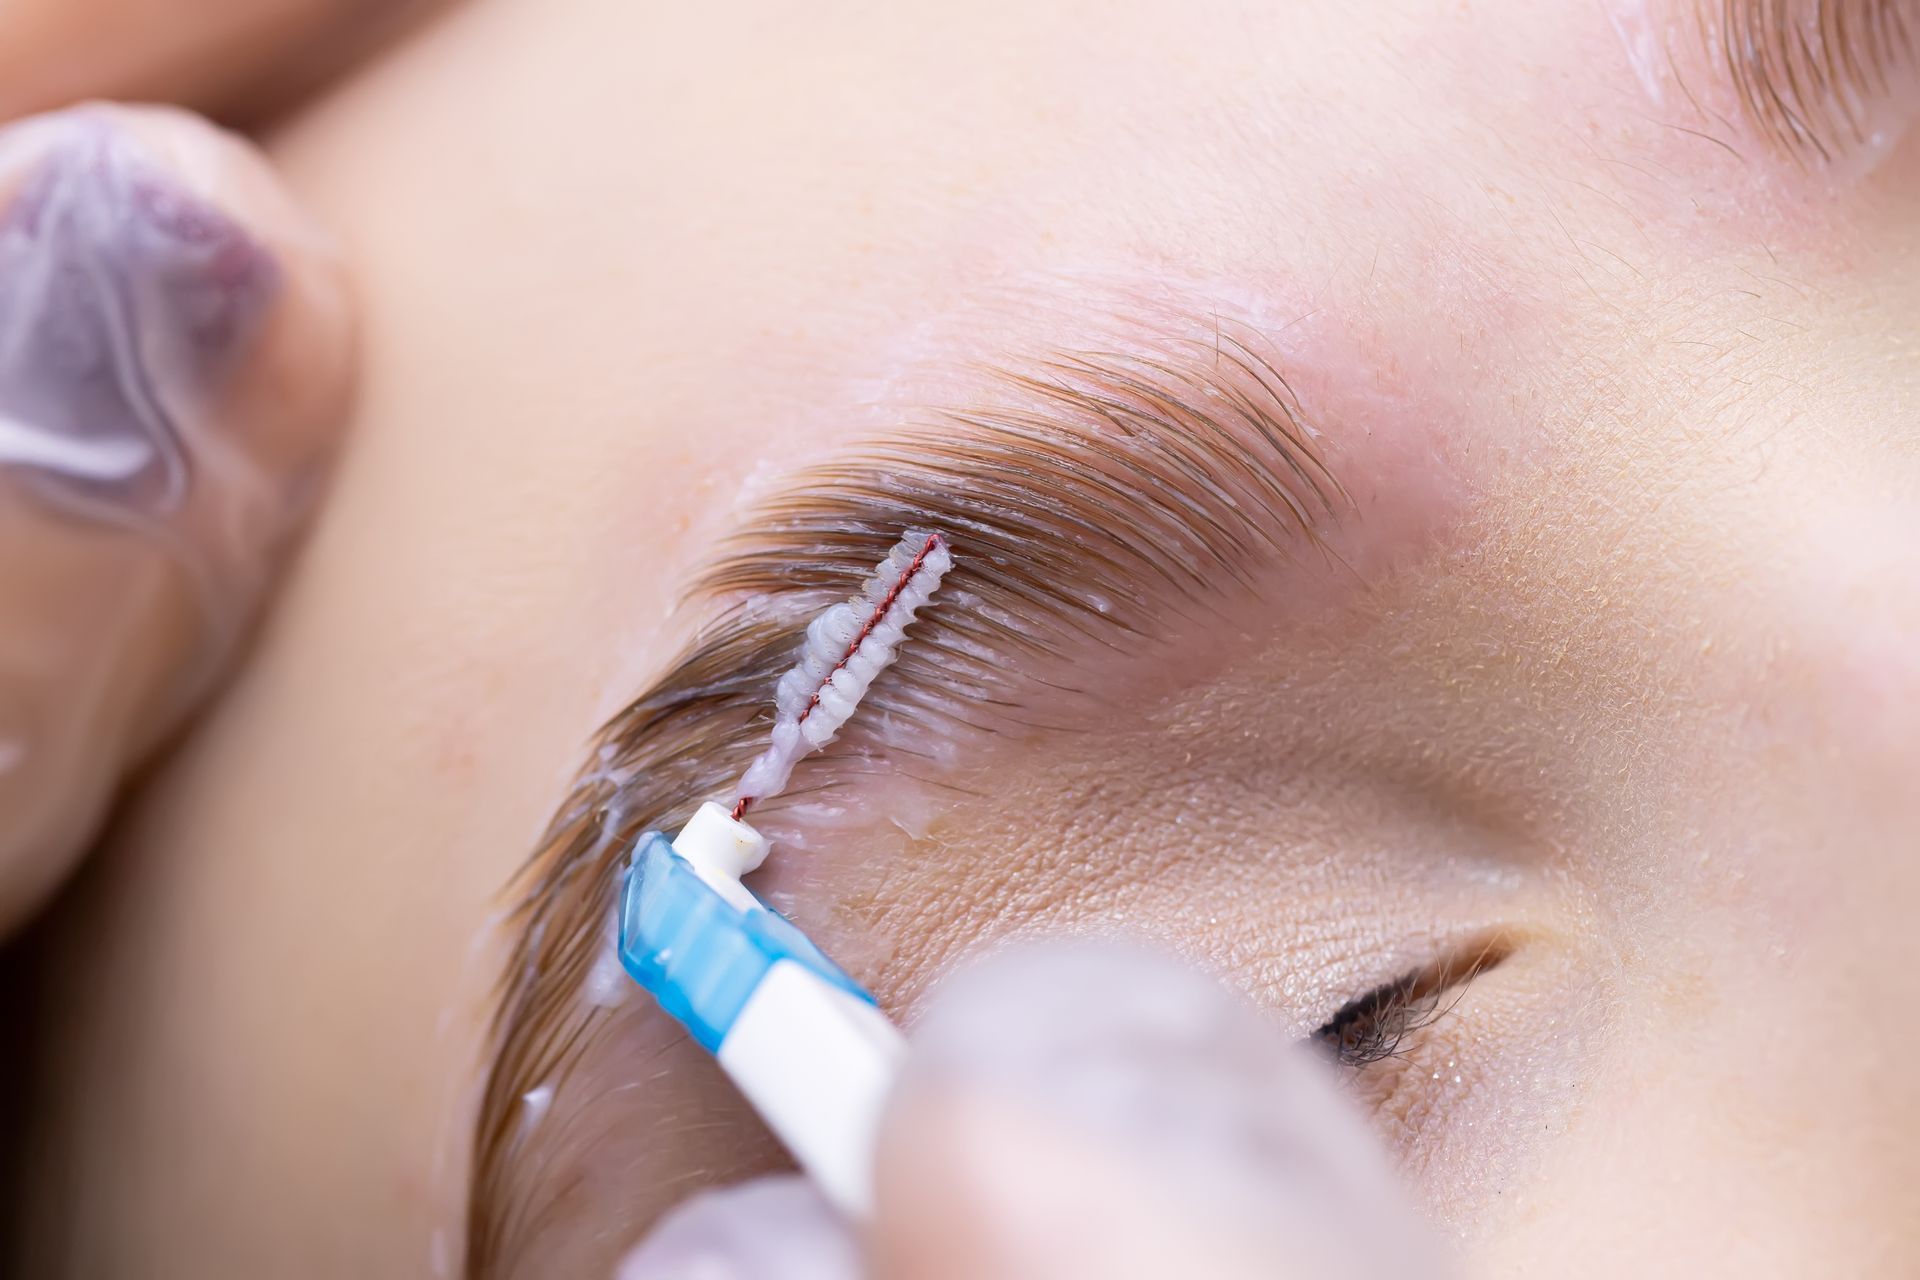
point(1613, 659)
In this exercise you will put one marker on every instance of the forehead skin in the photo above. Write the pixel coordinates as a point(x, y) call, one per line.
point(616, 264)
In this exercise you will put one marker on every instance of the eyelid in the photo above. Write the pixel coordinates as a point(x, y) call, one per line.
point(1373, 1027)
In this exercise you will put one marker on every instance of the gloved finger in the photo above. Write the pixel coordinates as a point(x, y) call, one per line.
point(212, 55)
point(768, 1228)
point(175, 345)
point(1081, 1110)
point(1092, 1110)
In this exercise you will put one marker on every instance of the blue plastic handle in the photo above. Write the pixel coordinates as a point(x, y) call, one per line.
point(698, 954)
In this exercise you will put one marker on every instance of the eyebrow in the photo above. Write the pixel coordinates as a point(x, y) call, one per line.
point(1098, 502)
point(1806, 72)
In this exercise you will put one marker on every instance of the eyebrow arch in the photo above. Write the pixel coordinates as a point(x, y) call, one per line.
point(1098, 502)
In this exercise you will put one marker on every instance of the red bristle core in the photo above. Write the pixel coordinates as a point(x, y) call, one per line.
point(880, 612)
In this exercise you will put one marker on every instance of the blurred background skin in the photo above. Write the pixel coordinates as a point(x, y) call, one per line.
point(241, 62)
point(605, 251)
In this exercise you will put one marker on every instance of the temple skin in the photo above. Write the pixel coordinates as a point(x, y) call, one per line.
point(1629, 415)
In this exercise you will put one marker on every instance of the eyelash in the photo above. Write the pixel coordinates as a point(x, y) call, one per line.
point(1375, 1026)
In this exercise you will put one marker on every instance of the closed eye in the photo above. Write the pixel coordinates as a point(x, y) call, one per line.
point(1380, 1024)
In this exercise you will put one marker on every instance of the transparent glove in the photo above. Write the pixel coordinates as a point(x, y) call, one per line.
point(1082, 1110)
point(174, 356)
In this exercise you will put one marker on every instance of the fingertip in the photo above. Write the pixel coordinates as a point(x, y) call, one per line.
point(775, 1228)
point(285, 394)
point(176, 351)
point(154, 257)
point(1100, 1109)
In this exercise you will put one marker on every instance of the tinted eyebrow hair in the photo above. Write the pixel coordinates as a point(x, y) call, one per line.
point(1095, 501)
point(1805, 71)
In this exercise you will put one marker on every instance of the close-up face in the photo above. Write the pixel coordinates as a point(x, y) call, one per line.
point(1433, 492)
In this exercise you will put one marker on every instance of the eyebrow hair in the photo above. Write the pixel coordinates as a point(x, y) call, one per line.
point(1805, 71)
point(1095, 501)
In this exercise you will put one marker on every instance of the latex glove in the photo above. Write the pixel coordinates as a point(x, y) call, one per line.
point(1082, 1111)
point(174, 357)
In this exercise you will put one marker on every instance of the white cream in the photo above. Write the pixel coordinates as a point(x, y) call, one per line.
point(845, 650)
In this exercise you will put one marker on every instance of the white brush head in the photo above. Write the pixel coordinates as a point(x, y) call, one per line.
point(845, 650)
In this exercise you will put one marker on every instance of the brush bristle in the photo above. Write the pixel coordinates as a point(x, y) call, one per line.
point(845, 650)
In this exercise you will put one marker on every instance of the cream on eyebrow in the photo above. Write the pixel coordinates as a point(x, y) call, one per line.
point(845, 649)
